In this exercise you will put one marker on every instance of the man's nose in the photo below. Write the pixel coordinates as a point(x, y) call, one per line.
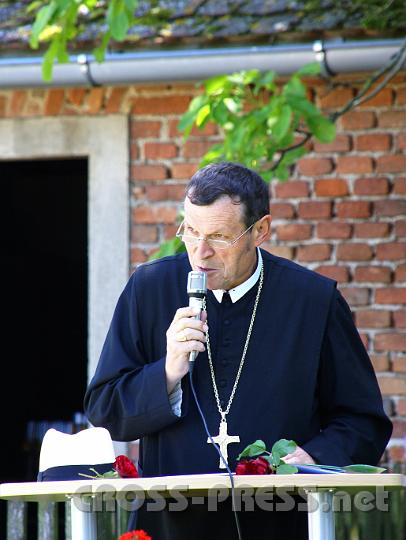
point(203, 249)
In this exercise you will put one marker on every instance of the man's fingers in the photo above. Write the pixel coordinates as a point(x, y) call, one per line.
point(299, 456)
point(185, 312)
point(194, 346)
point(190, 334)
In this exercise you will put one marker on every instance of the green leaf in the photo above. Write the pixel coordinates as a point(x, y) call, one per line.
point(281, 126)
point(248, 77)
point(302, 105)
point(269, 175)
point(62, 55)
point(33, 6)
point(119, 26)
point(48, 60)
point(231, 105)
point(131, 5)
point(111, 474)
point(215, 153)
point(220, 113)
point(309, 69)
point(170, 247)
point(268, 458)
point(294, 87)
point(235, 139)
point(281, 173)
point(186, 123)
point(275, 459)
point(188, 118)
point(267, 78)
point(359, 468)
point(215, 84)
point(255, 449)
point(323, 129)
point(100, 51)
point(283, 447)
point(229, 126)
point(237, 78)
point(197, 102)
point(203, 115)
point(286, 469)
point(293, 155)
point(41, 20)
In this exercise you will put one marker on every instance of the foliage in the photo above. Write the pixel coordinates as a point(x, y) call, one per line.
point(259, 119)
point(59, 22)
point(264, 124)
point(283, 447)
point(169, 247)
point(279, 450)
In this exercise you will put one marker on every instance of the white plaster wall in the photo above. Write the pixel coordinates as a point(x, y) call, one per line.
point(104, 141)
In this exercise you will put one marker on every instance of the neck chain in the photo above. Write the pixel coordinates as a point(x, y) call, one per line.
point(223, 439)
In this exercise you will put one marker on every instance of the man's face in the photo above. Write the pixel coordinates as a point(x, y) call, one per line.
point(225, 268)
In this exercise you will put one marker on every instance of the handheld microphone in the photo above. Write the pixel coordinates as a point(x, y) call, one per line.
point(196, 289)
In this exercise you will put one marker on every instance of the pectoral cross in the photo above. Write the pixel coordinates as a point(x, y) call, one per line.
point(223, 439)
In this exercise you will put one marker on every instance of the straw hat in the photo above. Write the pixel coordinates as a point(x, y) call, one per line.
point(90, 447)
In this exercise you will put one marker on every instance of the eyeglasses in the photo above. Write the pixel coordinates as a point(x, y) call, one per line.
point(215, 243)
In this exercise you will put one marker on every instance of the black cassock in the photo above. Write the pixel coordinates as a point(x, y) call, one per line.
point(306, 377)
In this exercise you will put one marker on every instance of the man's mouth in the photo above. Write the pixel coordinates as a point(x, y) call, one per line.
point(203, 269)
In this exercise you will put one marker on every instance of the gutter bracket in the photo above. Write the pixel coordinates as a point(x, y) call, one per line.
point(321, 57)
point(84, 64)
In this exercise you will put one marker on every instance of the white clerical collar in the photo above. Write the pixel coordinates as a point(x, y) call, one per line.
point(239, 291)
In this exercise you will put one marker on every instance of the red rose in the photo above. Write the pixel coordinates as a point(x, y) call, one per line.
point(253, 466)
point(135, 535)
point(125, 467)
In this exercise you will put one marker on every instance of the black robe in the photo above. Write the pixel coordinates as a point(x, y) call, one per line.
point(306, 377)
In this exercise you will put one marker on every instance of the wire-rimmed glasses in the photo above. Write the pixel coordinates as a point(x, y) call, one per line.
point(215, 243)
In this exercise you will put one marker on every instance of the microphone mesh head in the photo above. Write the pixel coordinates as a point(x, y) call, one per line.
point(197, 283)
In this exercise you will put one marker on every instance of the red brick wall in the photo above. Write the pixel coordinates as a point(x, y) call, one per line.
point(341, 214)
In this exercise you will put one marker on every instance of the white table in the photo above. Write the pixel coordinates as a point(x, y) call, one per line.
point(90, 496)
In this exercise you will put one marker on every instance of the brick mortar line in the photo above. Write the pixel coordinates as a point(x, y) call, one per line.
point(351, 197)
point(353, 262)
point(338, 220)
point(353, 152)
point(335, 219)
point(370, 241)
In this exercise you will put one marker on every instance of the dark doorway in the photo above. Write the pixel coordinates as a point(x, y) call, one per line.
point(44, 305)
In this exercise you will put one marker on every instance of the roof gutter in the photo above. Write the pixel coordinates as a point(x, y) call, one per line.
point(197, 64)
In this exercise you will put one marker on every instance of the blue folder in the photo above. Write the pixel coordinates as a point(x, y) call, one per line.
point(314, 469)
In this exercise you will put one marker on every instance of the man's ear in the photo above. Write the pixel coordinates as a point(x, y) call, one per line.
point(263, 230)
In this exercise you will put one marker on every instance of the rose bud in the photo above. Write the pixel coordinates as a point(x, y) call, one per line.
point(243, 467)
point(253, 466)
point(261, 466)
point(125, 467)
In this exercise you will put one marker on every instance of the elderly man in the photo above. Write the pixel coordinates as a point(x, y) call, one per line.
point(279, 357)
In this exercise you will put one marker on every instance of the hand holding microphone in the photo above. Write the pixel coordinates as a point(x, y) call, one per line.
point(186, 336)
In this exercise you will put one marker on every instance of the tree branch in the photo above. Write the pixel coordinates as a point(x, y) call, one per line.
point(390, 69)
point(306, 137)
